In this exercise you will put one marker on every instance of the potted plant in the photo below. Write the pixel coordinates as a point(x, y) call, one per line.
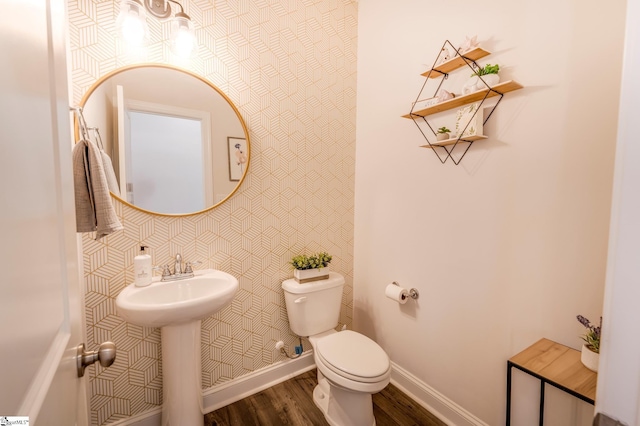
point(590, 355)
point(481, 78)
point(311, 268)
point(443, 133)
point(488, 70)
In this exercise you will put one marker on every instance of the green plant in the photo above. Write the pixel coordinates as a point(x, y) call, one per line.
point(317, 260)
point(488, 69)
point(592, 336)
point(443, 129)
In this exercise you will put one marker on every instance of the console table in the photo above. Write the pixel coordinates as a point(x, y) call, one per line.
point(557, 365)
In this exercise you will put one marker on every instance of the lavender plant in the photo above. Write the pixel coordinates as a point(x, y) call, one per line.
point(318, 260)
point(592, 336)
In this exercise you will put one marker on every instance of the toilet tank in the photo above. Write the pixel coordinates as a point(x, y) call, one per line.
point(313, 307)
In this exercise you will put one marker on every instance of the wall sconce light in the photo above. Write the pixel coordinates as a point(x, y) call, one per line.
point(132, 24)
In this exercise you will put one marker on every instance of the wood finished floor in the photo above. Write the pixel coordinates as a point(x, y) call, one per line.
point(291, 403)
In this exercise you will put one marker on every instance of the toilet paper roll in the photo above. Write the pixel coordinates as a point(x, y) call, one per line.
point(397, 293)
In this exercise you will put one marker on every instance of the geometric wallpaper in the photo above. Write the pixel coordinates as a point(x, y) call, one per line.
point(290, 69)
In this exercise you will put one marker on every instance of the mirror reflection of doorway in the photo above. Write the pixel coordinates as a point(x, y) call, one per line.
point(167, 154)
point(158, 144)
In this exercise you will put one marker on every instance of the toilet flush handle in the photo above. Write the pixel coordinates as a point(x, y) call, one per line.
point(300, 299)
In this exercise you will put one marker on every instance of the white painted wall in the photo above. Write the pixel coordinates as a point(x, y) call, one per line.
point(511, 245)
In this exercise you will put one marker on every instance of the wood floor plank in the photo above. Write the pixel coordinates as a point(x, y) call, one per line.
point(399, 409)
point(291, 403)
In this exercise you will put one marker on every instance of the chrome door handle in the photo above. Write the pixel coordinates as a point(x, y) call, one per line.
point(106, 354)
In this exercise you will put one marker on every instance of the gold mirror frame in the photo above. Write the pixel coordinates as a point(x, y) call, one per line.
point(105, 77)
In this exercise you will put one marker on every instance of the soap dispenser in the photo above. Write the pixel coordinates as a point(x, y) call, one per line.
point(142, 268)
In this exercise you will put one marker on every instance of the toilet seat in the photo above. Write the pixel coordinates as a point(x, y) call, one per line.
point(353, 356)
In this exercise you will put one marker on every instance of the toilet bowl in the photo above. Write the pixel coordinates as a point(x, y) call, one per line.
point(351, 367)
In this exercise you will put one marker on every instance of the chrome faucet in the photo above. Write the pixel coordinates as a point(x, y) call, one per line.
point(178, 272)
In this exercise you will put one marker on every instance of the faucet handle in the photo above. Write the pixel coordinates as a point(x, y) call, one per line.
point(188, 266)
point(166, 272)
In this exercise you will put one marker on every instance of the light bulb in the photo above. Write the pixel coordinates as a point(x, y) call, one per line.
point(132, 22)
point(183, 39)
point(132, 30)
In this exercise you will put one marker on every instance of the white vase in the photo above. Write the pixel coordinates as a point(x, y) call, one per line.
point(490, 79)
point(470, 85)
point(589, 358)
point(310, 275)
point(442, 136)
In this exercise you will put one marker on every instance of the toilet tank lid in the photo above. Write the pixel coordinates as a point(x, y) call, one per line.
point(293, 286)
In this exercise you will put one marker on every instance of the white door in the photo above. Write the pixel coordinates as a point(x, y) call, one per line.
point(618, 394)
point(39, 278)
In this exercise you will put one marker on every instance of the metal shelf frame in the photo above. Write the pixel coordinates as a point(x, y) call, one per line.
point(419, 119)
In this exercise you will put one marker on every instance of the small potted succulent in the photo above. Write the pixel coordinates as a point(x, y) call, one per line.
point(590, 355)
point(488, 75)
point(310, 268)
point(488, 70)
point(443, 133)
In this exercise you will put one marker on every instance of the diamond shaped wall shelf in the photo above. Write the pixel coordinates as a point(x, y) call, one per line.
point(467, 135)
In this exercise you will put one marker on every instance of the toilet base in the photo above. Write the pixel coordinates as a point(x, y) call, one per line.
point(342, 407)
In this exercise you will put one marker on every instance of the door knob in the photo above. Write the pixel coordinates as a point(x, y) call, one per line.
point(106, 354)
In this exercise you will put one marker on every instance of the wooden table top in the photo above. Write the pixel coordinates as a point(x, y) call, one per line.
point(559, 364)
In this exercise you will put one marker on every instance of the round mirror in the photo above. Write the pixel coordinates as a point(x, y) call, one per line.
point(177, 144)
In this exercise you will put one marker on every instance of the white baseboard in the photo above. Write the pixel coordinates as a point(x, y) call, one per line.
point(234, 390)
point(437, 404)
point(252, 383)
point(148, 418)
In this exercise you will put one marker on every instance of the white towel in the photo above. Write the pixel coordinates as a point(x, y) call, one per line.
point(111, 175)
point(94, 210)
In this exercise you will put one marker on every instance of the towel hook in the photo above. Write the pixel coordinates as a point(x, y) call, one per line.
point(82, 124)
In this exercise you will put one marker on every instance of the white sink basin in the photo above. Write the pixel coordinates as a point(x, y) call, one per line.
point(177, 302)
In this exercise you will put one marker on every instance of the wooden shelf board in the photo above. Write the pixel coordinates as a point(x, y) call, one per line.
point(507, 86)
point(558, 364)
point(453, 141)
point(456, 62)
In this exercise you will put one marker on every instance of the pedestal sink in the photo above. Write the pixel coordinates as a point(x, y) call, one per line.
point(178, 308)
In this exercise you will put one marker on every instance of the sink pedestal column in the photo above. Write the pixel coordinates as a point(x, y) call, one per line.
point(181, 375)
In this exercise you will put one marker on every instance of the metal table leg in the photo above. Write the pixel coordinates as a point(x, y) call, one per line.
point(509, 365)
point(541, 422)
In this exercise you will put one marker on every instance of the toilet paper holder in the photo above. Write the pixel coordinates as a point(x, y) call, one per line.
point(413, 293)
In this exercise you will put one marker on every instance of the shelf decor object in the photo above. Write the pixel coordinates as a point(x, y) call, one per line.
point(469, 118)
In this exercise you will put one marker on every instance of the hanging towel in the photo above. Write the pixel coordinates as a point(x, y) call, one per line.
point(108, 171)
point(94, 210)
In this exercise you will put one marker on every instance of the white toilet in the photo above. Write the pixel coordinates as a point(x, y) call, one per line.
point(351, 366)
